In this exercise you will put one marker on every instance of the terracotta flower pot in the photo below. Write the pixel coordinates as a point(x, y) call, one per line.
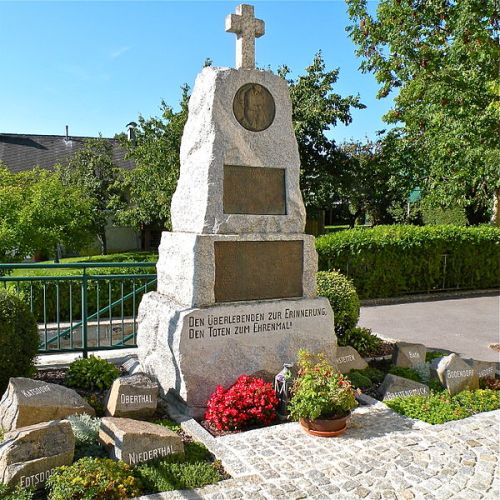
point(326, 426)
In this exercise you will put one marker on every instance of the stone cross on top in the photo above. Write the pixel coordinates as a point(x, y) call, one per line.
point(247, 29)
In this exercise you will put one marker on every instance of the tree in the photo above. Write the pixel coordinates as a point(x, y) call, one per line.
point(91, 169)
point(151, 185)
point(316, 110)
point(379, 178)
point(38, 213)
point(442, 56)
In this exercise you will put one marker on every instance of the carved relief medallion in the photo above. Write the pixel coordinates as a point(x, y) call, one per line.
point(254, 107)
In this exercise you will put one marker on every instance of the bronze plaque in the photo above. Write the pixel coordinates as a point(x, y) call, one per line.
point(257, 270)
point(254, 190)
point(253, 107)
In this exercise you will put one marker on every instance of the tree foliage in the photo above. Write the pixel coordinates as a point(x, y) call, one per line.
point(379, 178)
point(91, 169)
point(38, 212)
point(155, 150)
point(316, 110)
point(442, 58)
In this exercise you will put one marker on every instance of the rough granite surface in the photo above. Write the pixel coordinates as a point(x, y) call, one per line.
point(186, 265)
point(194, 350)
point(213, 138)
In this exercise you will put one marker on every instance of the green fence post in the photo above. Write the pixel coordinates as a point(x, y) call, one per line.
point(84, 312)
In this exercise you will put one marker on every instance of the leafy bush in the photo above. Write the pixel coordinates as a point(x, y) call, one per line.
point(440, 407)
point(343, 298)
point(169, 474)
point(247, 402)
point(430, 355)
point(362, 339)
point(17, 493)
point(388, 261)
point(408, 373)
point(86, 431)
point(91, 373)
point(320, 390)
point(358, 380)
point(18, 339)
point(94, 478)
point(96, 403)
point(376, 376)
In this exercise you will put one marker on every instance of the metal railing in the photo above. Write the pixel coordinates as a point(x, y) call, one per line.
point(92, 307)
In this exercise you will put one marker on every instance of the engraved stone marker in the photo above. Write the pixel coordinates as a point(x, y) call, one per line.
point(135, 441)
point(455, 374)
point(28, 402)
point(29, 455)
point(133, 396)
point(400, 387)
point(237, 275)
point(254, 190)
point(484, 369)
point(348, 359)
point(408, 355)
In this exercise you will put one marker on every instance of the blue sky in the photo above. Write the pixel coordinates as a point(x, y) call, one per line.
point(97, 65)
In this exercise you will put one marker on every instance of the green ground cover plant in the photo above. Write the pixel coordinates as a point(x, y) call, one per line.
point(441, 407)
point(94, 478)
point(408, 373)
point(194, 471)
point(388, 261)
point(18, 493)
point(91, 373)
point(359, 380)
point(430, 355)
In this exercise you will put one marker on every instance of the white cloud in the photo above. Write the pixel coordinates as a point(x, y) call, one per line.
point(115, 54)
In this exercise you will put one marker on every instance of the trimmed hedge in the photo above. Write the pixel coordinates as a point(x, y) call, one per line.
point(388, 261)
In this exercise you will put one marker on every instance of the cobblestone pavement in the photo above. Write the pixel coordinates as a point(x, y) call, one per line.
point(382, 456)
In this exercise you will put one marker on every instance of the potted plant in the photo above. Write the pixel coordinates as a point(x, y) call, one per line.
point(322, 398)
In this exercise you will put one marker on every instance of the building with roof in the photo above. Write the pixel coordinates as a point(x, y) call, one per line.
point(21, 152)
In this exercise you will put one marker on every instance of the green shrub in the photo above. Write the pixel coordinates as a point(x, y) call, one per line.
point(18, 493)
point(440, 407)
point(358, 380)
point(429, 356)
point(86, 431)
point(376, 376)
point(362, 339)
point(343, 298)
point(96, 403)
point(388, 261)
point(169, 474)
point(91, 373)
point(93, 478)
point(18, 339)
point(408, 373)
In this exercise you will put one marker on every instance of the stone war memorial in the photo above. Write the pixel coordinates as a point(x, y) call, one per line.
point(236, 276)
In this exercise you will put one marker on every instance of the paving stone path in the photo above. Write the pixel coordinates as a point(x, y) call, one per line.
point(382, 456)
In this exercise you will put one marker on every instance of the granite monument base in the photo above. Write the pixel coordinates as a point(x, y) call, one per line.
point(192, 350)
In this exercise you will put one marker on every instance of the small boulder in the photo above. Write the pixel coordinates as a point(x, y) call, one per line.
point(29, 455)
point(484, 369)
point(134, 396)
point(132, 366)
point(408, 355)
point(347, 359)
point(397, 387)
point(28, 402)
point(455, 374)
point(134, 441)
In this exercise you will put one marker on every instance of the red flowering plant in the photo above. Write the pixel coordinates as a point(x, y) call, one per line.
point(249, 401)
